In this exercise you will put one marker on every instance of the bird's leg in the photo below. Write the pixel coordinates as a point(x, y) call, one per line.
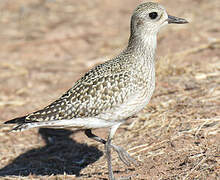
point(109, 158)
point(108, 151)
point(123, 155)
point(89, 134)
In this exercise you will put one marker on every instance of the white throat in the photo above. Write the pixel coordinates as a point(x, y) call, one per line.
point(144, 46)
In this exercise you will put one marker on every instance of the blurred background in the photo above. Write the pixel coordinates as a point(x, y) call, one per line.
point(46, 45)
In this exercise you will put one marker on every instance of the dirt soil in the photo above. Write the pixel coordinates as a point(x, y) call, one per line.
point(46, 45)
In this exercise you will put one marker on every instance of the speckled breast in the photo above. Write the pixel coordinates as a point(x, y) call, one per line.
point(139, 94)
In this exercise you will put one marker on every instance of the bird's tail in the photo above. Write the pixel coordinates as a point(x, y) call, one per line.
point(19, 120)
point(23, 124)
point(76, 123)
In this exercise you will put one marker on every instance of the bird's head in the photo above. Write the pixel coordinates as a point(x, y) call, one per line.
point(149, 17)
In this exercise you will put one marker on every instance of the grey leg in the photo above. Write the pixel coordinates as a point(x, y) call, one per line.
point(109, 159)
point(108, 151)
point(123, 155)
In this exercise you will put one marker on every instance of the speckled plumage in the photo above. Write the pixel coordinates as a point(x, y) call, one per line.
point(101, 90)
point(113, 91)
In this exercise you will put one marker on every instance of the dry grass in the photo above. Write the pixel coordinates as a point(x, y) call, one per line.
point(175, 137)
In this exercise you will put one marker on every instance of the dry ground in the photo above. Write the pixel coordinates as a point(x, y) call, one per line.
point(46, 45)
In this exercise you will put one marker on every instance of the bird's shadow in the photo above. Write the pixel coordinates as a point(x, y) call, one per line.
point(60, 155)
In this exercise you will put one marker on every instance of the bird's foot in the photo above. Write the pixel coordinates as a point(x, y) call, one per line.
point(124, 156)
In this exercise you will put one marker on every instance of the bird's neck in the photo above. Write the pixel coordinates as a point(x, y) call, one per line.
point(143, 46)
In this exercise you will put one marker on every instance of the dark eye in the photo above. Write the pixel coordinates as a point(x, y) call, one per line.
point(153, 15)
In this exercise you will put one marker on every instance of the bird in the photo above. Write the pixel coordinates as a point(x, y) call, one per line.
point(111, 92)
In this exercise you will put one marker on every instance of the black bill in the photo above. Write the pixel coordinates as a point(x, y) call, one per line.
point(173, 19)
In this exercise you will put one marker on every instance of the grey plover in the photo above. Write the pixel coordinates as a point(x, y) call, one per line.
point(110, 93)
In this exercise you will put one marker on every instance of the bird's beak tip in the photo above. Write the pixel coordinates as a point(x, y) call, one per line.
point(176, 20)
